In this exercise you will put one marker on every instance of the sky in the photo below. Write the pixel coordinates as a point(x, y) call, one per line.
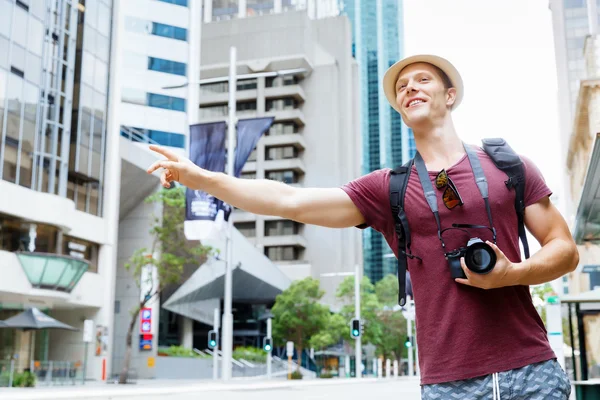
point(504, 51)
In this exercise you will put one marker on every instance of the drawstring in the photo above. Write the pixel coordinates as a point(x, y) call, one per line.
point(495, 386)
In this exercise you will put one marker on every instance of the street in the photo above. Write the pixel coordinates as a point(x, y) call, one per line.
point(295, 390)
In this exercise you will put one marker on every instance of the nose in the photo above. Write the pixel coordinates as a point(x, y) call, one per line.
point(410, 87)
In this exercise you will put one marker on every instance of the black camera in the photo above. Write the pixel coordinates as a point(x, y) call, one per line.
point(479, 258)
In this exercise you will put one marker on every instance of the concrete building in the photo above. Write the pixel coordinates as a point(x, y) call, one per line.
point(584, 171)
point(56, 241)
point(572, 21)
point(300, 71)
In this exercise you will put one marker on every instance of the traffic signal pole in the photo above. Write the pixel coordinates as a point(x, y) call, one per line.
point(357, 344)
point(215, 359)
point(269, 357)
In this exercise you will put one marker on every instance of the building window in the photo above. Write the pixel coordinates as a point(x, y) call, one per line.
point(83, 249)
point(135, 96)
point(278, 81)
point(17, 234)
point(183, 3)
point(282, 128)
point(166, 102)
point(252, 156)
point(248, 175)
point(281, 153)
point(281, 104)
point(281, 228)
point(288, 177)
point(248, 229)
point(167, 66)
point(169, 31)
point(282, 253)
point(222, 110)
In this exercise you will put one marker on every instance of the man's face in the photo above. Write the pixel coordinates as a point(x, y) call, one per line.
point(421, 95)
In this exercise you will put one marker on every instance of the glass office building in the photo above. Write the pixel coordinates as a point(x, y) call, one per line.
point(377, 44)
point(53, 96)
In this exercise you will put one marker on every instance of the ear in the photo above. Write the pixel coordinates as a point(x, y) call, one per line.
point(450, 97)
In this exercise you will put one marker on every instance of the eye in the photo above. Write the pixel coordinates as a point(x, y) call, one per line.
point(401, 87)
point(424, 79)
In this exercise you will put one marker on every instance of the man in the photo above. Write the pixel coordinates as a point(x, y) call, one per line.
point(478, 337)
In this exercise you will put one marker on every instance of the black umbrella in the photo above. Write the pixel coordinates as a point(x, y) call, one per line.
point(34, 319)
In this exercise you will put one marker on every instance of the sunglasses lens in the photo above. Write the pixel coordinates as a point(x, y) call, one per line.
point(442, 179)
point(451, 198)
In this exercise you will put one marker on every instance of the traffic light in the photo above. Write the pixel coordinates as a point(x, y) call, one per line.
point(267, 344)
point(212, 339)
point(408, 342)
point(356, 329)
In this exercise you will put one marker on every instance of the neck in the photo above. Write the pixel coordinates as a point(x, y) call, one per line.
point(439, 144)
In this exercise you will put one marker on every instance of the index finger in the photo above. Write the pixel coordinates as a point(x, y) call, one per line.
point(165, 152)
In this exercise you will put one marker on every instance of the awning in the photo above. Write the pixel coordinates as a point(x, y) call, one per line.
point(587, 222)
point(52, 271)
point(593, 296)
point(254, 278)
point(33, 318)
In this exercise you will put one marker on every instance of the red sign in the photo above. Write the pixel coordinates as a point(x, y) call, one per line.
point(146, 321)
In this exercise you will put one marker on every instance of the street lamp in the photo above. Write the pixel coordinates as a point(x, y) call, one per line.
point(357, 338)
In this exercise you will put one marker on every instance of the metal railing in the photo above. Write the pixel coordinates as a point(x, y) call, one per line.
point(135, 135)
point(47, 373)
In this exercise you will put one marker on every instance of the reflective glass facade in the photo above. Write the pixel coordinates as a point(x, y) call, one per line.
point(53, 96)
point(377, 44)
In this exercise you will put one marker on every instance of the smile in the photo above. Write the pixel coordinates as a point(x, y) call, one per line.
point(415, 102)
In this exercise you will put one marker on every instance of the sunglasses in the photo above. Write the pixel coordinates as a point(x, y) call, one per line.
point(451, 196)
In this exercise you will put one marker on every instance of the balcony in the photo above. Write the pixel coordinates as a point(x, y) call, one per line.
point(210, 98)
point(289, 91)
point(292, 139)
point(284, 240)
point(291, 164)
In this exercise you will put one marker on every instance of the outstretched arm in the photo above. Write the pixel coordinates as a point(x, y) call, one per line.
point(329, 207)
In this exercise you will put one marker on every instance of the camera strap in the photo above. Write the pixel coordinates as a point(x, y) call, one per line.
point(431, 197)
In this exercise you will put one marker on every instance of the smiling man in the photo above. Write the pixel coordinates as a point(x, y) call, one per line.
point(479, 335)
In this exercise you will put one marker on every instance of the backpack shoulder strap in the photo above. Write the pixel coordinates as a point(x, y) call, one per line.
point(507, 160)
point(398, 183)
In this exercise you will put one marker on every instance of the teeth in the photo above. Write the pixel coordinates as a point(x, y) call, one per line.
point(412, 103)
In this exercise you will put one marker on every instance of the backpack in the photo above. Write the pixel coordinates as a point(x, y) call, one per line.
point(505, 159)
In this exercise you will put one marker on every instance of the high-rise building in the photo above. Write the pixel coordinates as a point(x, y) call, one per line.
point(155, 57)
point(572, 21)
point(55, 245)
point(377, 43)
point(300, 71)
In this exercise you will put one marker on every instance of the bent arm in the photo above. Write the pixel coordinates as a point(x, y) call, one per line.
point(558, 255)
point(328, 207)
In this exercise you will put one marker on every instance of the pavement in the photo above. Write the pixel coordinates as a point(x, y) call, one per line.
point(315, 389)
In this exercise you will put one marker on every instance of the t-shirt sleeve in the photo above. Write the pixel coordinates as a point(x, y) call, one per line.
point(370, 195)
point(535, 184)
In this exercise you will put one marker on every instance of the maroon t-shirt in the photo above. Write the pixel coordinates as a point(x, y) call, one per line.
point(463, 332)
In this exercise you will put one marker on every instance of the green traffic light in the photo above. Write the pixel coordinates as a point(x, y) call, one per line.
point(268, 347)
point(213, 343)
point(355, 332)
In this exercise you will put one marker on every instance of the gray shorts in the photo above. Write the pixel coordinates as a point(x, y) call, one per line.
point(540, 381)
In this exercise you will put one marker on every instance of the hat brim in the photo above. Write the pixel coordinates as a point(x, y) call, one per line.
point(391, 76)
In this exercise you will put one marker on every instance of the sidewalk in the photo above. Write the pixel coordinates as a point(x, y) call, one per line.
point(93, 390)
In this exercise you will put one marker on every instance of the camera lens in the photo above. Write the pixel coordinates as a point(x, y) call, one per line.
point(480, 258)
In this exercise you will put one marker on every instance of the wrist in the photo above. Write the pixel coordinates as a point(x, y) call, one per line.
point(517, 273)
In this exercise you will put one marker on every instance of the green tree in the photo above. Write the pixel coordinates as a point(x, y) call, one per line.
point(330, 333)
point(298, 315)
point(390, 319)
point(369, 306)
point(169, 253)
